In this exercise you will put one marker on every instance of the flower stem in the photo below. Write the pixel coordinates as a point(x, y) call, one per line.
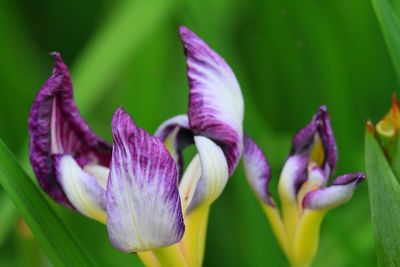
point(193, 242)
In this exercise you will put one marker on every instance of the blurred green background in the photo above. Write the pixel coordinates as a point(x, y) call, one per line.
point(289, 57)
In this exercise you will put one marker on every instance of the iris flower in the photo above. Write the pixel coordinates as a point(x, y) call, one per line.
point(134, 185)
point(304, 196)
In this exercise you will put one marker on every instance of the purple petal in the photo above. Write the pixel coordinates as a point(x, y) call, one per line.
point(336, 194)
point(215, 100)
point(176, 135)
point(356, 177)
point(257, 170)
point(82, 189)
point(56, 127)
point(143, 204)
point(305, 138)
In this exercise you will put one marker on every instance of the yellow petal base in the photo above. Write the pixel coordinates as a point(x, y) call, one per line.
point(189, 252)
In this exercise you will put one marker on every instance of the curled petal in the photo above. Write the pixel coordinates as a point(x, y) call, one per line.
point(165, 129)
point(257, 170)
point(356, 177)
point(190, 178)
point(317, 139)
point(215, 100)
point(214, 173)
point(56, 127)
point(143, 205)
point(82, 189)
point(176, 134)
point(293, 175)
point(336, 194)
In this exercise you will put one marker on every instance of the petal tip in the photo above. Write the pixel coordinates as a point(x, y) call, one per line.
point(120, 115)
point(60, 68)
point(356, 177)
point(186, 34)
point(337, 194)
point(184, 30)
point(323, 109)
point(55, 54)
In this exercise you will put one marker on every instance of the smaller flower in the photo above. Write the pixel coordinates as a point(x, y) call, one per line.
point(304, 196)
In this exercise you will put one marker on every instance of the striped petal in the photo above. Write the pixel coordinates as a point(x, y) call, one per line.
point(215, 100)
point(176, 134)
point(82, 189)
point(143, 205)
point(56, 127)
point(317, 140)
point(336, 194)
point(257, 170)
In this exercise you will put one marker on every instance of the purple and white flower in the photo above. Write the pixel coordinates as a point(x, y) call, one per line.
point(136, 185)
point(303, 193)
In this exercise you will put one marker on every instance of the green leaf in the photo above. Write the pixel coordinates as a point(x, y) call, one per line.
point(389, 20)
point(384, 192)
point(55, 239)
point(8, 215)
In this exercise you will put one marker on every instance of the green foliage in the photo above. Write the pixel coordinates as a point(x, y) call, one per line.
point(384, 192)
point(388, 13)
point(56, 240)
point(8, 215)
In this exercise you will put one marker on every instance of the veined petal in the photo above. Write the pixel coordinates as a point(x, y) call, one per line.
point(143, 205)
point(176, 134)
point(257, 170)
point(336, 194)
point(214, 173)
point(82, 189)
point(215, 100)
point(56, 127)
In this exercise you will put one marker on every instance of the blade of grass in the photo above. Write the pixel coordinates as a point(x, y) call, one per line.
point(8, 215)
point(390, 24)
point(56, 240)
point(384, 192)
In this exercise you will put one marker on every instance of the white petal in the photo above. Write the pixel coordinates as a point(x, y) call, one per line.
point(214, 173)
point(82, 189)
